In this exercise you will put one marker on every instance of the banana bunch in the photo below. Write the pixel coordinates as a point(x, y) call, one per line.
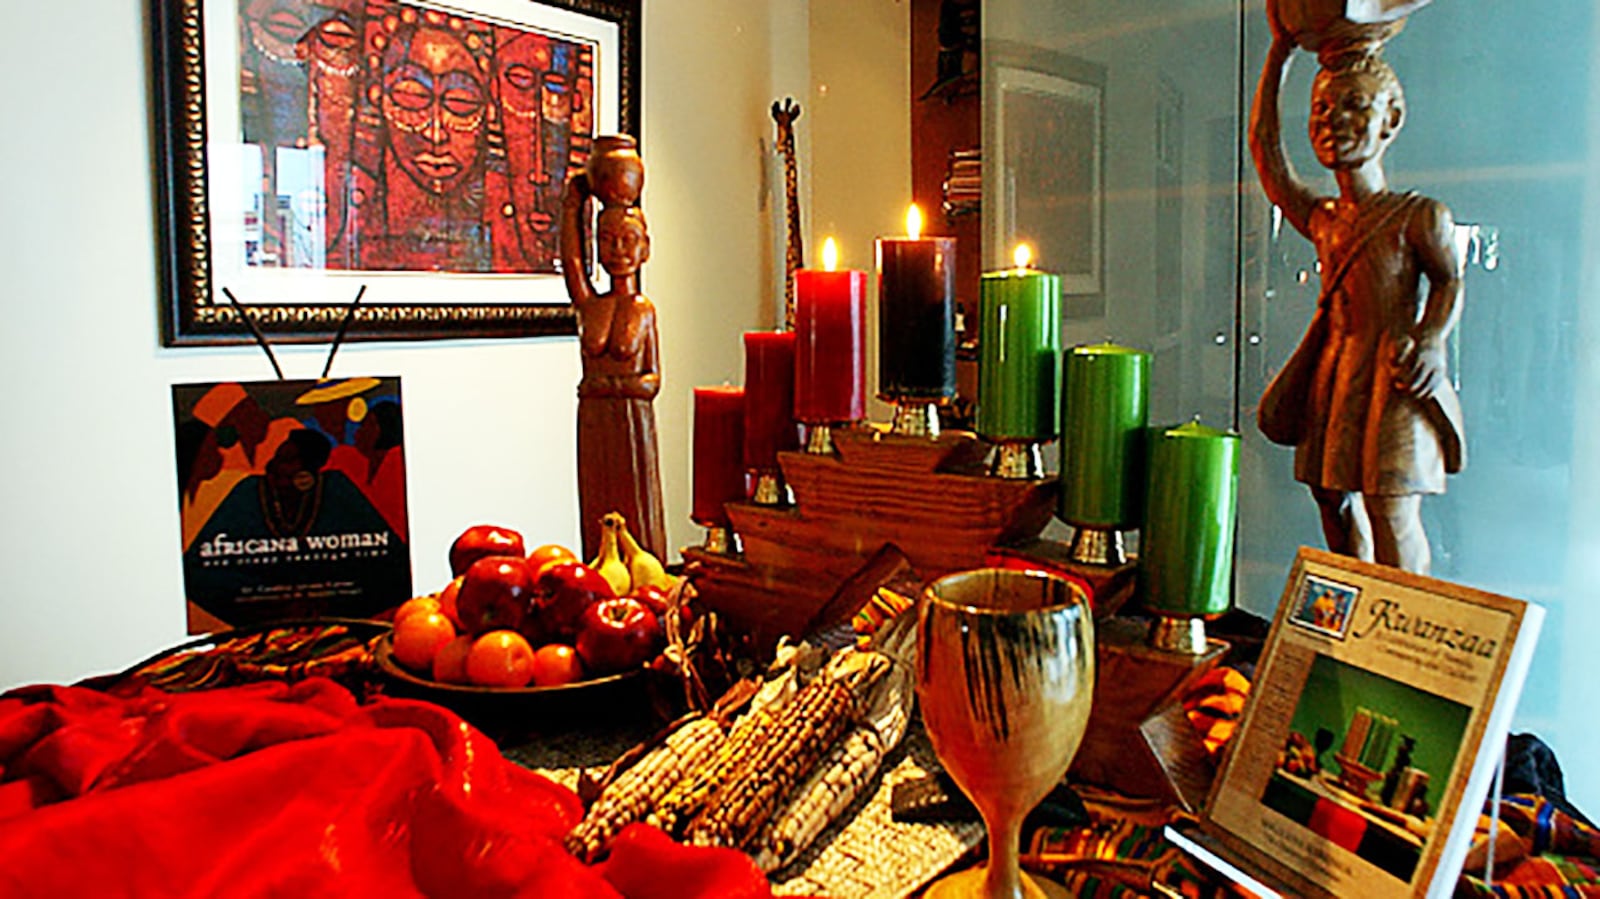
point(625, 564)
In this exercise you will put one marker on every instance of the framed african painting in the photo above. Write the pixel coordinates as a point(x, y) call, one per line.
point(406, 152)
point(1045, 163)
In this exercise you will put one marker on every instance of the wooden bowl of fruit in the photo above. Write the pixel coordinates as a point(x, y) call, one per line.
point(522, 642)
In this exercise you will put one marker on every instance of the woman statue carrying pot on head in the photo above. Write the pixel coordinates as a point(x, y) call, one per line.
point(618, 462)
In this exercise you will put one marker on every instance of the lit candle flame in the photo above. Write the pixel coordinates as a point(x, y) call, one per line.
point(1022, 255)
point(913, 221)
point(830, 255)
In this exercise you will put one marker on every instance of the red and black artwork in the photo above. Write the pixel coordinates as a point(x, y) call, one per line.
point(395, 137)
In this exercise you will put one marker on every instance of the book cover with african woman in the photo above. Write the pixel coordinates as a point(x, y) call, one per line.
point(292, 499)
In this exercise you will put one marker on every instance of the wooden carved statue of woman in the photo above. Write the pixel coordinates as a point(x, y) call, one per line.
point(1366, 399)
point(618, 464)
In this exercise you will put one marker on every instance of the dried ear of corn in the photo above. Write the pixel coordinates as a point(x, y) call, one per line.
point(630, 796)
point(843, 775)
point(689, 796)
point(804, 730)
point(851, 765)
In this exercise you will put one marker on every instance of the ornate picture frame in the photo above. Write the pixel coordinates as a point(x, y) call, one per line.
point(405, 151)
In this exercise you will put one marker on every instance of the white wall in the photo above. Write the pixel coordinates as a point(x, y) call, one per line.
point(89, 552)
point(860, 133)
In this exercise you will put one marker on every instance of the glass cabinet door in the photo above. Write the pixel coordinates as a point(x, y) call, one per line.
point(1140, 213)
point(1503, 126)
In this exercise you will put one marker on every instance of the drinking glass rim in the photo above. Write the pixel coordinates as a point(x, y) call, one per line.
point(1079, 596)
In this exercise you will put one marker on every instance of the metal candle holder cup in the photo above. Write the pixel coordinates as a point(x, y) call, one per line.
point(1005, 679)
point(819, 436)
point(1017, 460)
point(914, 417)
point(721, 539)
point(771, 490)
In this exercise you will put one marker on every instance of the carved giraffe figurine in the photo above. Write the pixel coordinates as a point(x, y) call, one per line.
point(785, 114)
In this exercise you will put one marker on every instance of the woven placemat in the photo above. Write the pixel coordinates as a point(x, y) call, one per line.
point(869, 855)
point(865, 855)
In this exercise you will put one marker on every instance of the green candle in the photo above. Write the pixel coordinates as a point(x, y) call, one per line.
point(1105, 409)
point(1019, 355)
point(1186, 548)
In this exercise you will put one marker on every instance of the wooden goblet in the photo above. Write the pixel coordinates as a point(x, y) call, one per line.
point(1005, 677)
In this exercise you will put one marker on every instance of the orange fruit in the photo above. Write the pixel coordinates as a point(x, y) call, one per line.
point(414, 605)
point(500, 659)
point(548, 554)
point(450, 662)
point(555, 664)
point(447, 602)
point(418, 637)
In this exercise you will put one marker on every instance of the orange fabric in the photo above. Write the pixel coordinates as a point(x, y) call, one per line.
point(1214, 705)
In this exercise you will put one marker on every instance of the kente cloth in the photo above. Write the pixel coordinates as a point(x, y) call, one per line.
point(1214, 705)
point(1556, 855)
point(295, 789)
point(341, 652)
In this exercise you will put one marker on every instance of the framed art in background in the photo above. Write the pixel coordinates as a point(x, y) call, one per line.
point(1045, 137)
point(310, 148)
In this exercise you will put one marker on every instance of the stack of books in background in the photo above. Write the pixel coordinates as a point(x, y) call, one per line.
point(963, 183)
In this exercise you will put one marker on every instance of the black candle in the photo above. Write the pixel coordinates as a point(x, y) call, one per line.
point(916, 317)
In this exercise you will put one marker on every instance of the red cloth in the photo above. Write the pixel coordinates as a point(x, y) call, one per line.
point(275, 789)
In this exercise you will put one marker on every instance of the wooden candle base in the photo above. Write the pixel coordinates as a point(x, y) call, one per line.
point(1134, 684)
point(927, 498)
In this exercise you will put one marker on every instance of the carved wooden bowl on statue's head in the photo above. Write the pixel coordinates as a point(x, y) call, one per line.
point(1315, 24)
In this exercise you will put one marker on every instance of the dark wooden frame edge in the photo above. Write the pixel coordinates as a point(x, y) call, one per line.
point(188, 318)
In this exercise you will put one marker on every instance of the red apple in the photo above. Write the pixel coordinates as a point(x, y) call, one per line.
point(617, 634)
point(659, 601)
point(653, 597)
point(480, 541)
point(560, 596)
point(494, 595)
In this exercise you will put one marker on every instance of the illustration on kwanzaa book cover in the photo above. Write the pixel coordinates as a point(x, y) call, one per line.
point(1366, 751)
point(292, 499)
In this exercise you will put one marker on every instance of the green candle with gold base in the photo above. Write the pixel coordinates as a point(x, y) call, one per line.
point(1105, 410)
point(1019, 355)
point(1186, 547)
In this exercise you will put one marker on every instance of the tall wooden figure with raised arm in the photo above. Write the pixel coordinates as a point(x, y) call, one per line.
point(1365, 400)
point(618, 461)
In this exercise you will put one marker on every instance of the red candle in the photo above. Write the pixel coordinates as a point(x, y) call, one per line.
point(769, 425)
point(830, 337)
point(916, 315)
point(718, 453)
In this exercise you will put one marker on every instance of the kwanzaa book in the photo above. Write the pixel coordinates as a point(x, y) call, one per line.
point(1367, 748)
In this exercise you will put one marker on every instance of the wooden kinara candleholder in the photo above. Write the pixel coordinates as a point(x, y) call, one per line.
point(928, 498)
point(931, 502)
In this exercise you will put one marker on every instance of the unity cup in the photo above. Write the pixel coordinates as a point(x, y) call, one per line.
point(1005, 678)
